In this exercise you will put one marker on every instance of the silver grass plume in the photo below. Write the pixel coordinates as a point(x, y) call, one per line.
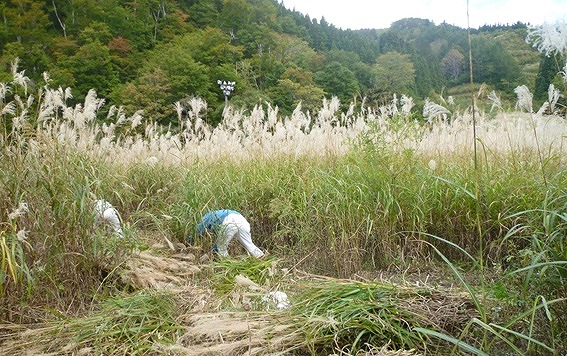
point(179, 110)
point(197, 105)
point(137, 118)
point(550, 38)
point(8, 109)
point(46, 79)
point(481, 90)
point(301, 120)
point(48, 106)
point(19, 78)
point(432, 110)
point(391, 109)
point(524, 98)
point(66, 94)
point(395, 104)
point(111, 111)
point(272, 117)
point(19, 211)
point(53, 101)
point(19, 120)
point(30, 100)
point(92, 105)
point(194, 123)
point(525, 103)
point(496, 102)
point(542, 109)
point(120, 116)
point(4, 90)
point(327, 112)
point(553, 96)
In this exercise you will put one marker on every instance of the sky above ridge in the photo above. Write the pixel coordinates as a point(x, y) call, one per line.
point(357, 14)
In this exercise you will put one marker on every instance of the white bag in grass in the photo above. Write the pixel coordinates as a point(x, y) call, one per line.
point(277, 298)
point(105, 213)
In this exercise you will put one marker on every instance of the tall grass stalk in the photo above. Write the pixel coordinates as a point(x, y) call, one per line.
point(525, 103)
point(477, 183)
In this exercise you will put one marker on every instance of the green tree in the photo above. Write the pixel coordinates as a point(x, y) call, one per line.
point(394, 73)
point(72, 16)
point(209, 46)
point(266, 70)
point(292, 51)
point(548, 73)
point(96, 31)
point(492, 64)
point(150, 93)
point(453, 64)
point(337, 80)
point(352, 61)
point(235, 14)
point(390, 41)
point(185, 76)
point(205, 13)
point(263, 11)
point(297, 86)
point(428, 74)
point(188, 66)
point(92, 67)
point(25, 21)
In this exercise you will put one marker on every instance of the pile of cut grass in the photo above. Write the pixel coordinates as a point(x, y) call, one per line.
point(326, 315)
point(122, 325)
point(353, 315)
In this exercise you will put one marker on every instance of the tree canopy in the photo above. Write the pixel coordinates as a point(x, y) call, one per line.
point(148, 54)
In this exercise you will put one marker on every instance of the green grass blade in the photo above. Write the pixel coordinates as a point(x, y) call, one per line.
point(537, 265)
point(497, 334)
point(467, 286)
point(467, 192)
point(457, 342)
point(452, 244)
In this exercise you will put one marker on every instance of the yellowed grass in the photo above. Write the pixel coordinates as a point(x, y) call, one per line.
point(266, 134)
point(261, 132)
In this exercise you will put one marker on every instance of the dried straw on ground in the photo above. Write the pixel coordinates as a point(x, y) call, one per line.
point(206, 329)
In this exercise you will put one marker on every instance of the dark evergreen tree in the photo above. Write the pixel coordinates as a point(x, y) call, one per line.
point(549, 67)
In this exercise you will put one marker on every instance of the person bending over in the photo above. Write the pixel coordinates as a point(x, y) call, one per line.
point(225, 225)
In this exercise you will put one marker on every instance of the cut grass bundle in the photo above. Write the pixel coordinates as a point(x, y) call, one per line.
point(130, 325)
point(249, 283)
point(240, 333)
point(151, 270)
point(245, 333)
point(226, 272)
point(354, 315)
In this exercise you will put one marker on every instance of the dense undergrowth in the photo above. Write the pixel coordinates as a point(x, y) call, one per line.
point(336, 194)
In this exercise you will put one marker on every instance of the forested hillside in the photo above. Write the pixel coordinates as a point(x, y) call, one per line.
point(148, 54)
